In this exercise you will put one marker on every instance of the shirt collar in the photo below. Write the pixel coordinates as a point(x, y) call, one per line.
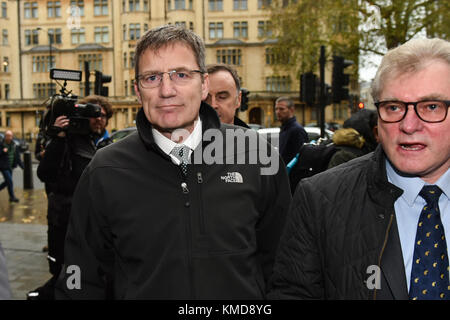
point(411, 186)
point(166, 145)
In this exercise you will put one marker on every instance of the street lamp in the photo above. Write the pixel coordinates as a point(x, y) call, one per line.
point(50, 42)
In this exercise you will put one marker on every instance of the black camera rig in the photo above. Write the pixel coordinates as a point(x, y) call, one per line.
point(65, 103)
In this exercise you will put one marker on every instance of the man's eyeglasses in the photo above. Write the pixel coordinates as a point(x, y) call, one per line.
point(179, 77)
point(428, 110)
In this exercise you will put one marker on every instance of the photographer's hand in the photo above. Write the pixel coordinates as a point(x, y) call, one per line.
point(61, 122)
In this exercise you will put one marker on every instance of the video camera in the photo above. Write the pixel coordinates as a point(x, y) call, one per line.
point(66, 104)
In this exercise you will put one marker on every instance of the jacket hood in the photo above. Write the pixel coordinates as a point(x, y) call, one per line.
point(348, 137)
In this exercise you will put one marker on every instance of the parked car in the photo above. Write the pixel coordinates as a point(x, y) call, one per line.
point(332, 126)
point(20, 143)
point(255, 126)
point(313, 134)
point(120, 134)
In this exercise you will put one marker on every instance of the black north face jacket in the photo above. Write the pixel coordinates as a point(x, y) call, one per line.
point(341, 239)
point(140, 230)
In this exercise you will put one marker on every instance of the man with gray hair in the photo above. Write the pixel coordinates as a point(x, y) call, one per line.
point(152, 217)
point(377, 227)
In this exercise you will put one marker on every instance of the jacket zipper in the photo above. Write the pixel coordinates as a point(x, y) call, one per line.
point(200, 200)
point(185, 190)
point(386, 237)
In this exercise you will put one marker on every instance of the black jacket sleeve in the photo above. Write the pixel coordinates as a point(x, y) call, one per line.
point(50, 163)
point(276, 198)
point(87, 247)
point(297, 271)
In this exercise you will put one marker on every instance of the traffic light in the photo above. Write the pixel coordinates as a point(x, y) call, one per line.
point(308, 88)
point(340, 79)
point(244, 99)
point(100, 79)
point(361, 105)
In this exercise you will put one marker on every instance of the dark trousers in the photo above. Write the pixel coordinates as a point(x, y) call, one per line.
point(7, 176)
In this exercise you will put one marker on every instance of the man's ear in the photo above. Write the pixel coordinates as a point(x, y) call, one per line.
point(138, 93)
point(205, 86)
point(239, 98)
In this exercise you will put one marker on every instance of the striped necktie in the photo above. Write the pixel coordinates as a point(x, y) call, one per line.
point(430, 268)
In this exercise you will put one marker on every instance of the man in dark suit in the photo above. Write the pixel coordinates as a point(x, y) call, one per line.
point(376, 226)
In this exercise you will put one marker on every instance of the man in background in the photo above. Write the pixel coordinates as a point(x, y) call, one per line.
point(224, 93)
point(292, 134)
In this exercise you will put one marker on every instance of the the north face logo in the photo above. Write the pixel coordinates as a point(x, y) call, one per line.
point(233, 177)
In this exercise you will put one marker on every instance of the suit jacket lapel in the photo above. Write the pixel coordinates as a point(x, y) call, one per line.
point(392, 266)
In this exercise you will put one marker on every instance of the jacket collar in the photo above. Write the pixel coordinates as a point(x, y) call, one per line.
point(288, 123)
point(208, 116)
point(380, 188)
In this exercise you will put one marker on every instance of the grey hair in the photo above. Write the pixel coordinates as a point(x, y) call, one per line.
point(289, 101)
point(162, 36)
point(412, 56)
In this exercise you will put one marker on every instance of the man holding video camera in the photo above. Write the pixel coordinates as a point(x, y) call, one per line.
point(72, 144)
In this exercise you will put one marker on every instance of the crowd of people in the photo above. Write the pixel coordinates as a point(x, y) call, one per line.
point(149, 217)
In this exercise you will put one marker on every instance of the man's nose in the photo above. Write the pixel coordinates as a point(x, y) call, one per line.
point(411, 122)
point(167, 87)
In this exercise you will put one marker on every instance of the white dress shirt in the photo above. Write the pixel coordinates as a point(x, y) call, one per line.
point(167, 145)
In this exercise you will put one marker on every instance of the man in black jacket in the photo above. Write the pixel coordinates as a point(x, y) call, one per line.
point(292, 134)
point(371, 228)
point(62, 162)
point(167, 212)
point(9, 159)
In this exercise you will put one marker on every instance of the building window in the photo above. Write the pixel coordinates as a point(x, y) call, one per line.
point(5, 40)
point(30, 10)
point(181, 24)
point(215, 5)
point(5, 64)
point(78, 36)
point(77, 8)
point(125, 88)
point(4, 10)
point(191, 26)
point(82, 86)
point(95, 61)
point(134, 5)
point(100, 7)
point(134, 31)
point(272, 58)
point(146, 27)
point(278, 84)
point(240, 29)
point(31, 37)
point(145, 5)
point(54, 9)
point(229, 56)
point(125, 60)
point(239, 4)
point(262, 4)
point(264, 29)
point(54, 36)
point(124, 32)
point(101, 34)
point(132, 59)
point(43, 63)
point(7, 94)
point(43, 90)
point(180, 4)
point(215, 30)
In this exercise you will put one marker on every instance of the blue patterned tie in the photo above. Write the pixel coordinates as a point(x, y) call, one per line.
point(182, 154)
point(430, 271)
